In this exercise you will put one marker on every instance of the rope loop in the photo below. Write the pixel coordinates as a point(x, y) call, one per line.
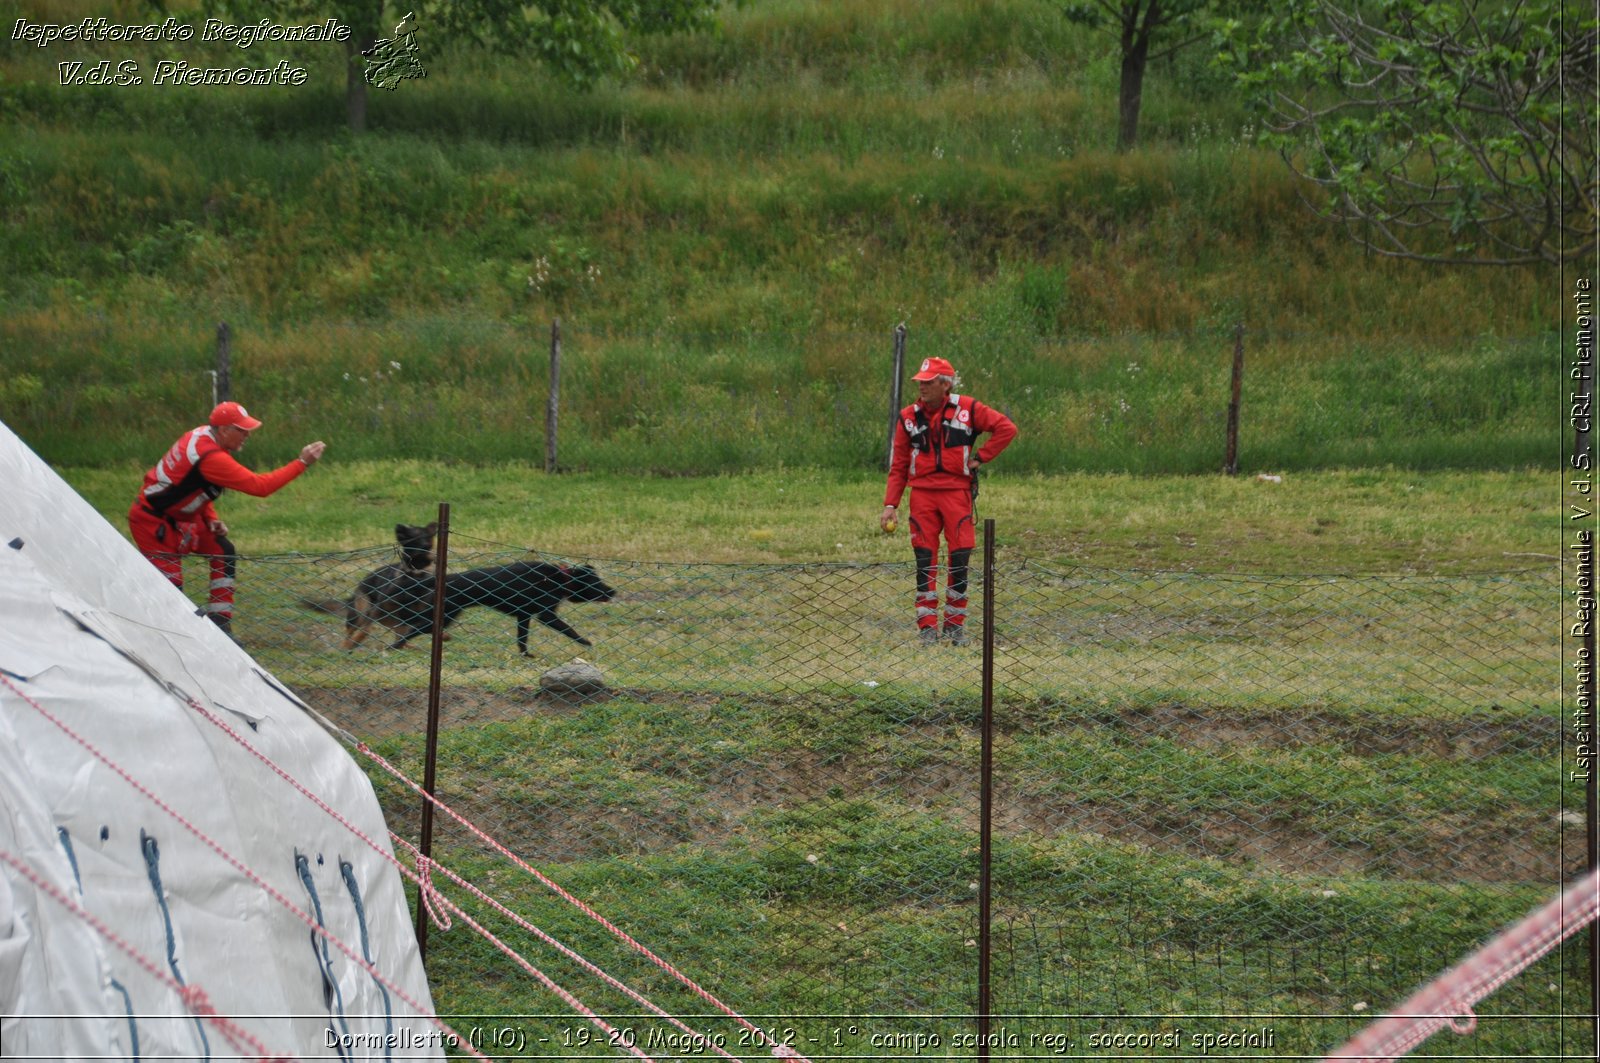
point(432, 898)
point(1465, 1021)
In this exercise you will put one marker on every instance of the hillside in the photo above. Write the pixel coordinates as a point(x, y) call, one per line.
point(731, 235)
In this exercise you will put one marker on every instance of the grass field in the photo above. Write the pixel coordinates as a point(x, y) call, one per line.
point(729, 240)
point(1228, 782)
point(1365, 520)
point(1267, 748)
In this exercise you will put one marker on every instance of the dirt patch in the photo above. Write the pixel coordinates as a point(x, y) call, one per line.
point(1450, 738)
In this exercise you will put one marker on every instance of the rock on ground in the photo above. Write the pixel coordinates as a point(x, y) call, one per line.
point(575, 679)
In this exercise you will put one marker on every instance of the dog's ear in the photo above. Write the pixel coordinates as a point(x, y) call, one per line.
point(431, 528)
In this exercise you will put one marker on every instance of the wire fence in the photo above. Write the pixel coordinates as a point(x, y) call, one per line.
point(1232, 815)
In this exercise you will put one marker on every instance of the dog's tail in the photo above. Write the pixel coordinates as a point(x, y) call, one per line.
point(332, 606)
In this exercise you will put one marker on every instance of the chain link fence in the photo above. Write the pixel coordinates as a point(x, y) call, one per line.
point(1231, 815)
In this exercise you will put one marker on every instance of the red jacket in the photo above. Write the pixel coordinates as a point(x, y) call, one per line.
point(931, 450)
point(196, 470)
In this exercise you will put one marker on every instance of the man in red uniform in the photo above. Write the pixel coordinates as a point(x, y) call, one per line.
point(174, 515)
point(936, 454)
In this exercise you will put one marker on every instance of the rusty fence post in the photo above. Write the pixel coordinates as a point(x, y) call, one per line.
point(986, 797)
point(441, 554)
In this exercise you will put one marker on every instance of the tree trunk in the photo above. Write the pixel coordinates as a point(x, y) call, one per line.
point(1129, 98)
point(355, 81)
point(1135, 54)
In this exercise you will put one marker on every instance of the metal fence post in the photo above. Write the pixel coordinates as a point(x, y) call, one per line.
point(894, 387)
point(441, 553)
point(986, 794)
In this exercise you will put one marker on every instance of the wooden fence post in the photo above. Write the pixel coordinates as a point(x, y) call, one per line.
point(1231, 466)
point(221, 376)
point(552, 406)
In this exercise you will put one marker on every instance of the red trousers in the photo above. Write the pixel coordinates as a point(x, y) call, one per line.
point(948, 514)
point(165, 543)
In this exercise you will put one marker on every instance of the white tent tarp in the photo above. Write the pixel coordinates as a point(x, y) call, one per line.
point(92, 635)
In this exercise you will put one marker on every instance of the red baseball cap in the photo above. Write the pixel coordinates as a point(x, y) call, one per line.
point(934, 367)
point(231, 413)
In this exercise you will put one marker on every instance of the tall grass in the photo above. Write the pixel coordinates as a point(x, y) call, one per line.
point(729, 238)
point(1168, 239)
point(475, 390)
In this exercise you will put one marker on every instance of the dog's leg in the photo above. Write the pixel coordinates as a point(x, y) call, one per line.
point(357, 623)
point(522, 635)
point(404, 633)
point(550, 619)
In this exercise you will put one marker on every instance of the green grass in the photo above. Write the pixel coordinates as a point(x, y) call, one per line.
point(1167, 713)
point(472, 392)
point(1359, 521)
point(859, 900)
point(729, 239)
point(815, 889)
point(1163, 717)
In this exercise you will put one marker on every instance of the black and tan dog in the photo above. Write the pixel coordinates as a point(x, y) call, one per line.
point(400, 597)
point(395, 596)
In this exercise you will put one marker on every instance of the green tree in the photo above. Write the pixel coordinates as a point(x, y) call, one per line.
point(1140, 26)
point(1452, 131)
point(581, 41)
